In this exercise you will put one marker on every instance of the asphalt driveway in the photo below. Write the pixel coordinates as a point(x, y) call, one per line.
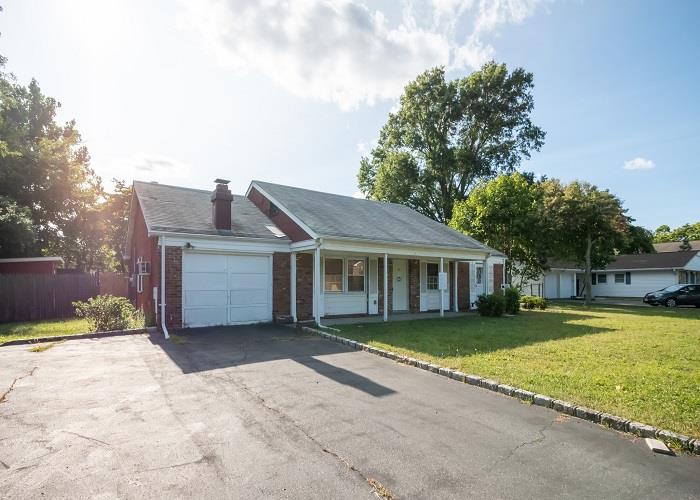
point(267, 412)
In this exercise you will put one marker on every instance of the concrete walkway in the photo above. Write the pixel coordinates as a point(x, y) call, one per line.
point(270, 413)
point(392, 317)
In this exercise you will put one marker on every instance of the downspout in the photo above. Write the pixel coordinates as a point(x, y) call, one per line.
point(162, 288)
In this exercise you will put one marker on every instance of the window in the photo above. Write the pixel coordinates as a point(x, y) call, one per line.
point(479, 274)
point(619, 278)
point(333, 280)
point(602, 278)
point(274, 210)
point(356, 275)
point(432, 280)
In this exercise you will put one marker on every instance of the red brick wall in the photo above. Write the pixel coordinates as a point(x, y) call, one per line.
point(281, 220)
point(148, 250)
point(463, 285)
point(280, 286)
point(497, 277)
point(173, 287)
point(305, 298)
point(414, 285)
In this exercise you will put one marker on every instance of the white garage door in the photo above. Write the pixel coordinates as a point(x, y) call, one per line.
point(226, 289)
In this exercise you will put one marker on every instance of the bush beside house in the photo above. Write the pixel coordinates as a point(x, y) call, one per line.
point(107, 313)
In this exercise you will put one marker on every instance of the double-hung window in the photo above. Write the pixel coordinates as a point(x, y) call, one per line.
point(432, 280)
point(602, 278)
point(333, 280)
point(619, 278)
point(356, 275)
point(344, 275)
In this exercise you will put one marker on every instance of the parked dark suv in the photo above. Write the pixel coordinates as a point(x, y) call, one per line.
point(675, 295)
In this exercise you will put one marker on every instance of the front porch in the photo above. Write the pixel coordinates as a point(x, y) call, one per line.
point(348, 281)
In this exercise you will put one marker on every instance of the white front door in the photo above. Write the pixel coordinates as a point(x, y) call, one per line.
point(219, 289)
point(476, 281)
point(399, 270)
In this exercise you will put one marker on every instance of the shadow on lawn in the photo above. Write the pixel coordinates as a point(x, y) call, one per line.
point(472, 335)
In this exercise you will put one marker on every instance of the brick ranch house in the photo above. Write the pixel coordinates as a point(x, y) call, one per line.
point(282, 253)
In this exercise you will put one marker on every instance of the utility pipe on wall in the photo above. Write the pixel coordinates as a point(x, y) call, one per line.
point(162, 288)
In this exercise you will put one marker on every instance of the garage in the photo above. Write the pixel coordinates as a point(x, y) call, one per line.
point(226, 289)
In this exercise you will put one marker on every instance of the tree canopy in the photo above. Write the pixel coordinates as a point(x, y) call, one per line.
point(51, 201)
point(686, 232)
point(448, 135)
point(507, 213)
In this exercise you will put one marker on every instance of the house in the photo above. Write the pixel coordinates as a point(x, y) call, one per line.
point(30, 265)
point(631, 275)
point(283, 253)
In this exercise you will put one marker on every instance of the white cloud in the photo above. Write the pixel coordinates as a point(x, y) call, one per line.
point(639, 164)
point(144, 167)
point(341, 51)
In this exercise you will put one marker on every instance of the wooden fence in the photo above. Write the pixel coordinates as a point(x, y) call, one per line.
point(31, 297)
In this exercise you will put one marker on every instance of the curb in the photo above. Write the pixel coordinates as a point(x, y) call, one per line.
point(688, 444)
point(78, 336)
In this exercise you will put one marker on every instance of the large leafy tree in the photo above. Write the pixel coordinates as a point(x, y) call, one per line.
point(17, 235)
point(448, 135)
point(638, 240)
point(590, 225)
point(507, 213)
point(46, 170)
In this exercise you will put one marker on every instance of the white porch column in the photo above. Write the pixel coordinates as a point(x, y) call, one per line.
point(456, 293)
point(442, 292)
point(293, 286)
point(317, 285)
point(386, 287)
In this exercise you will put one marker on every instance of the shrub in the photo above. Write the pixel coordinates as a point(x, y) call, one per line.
point(491, 305)
point(533, 302)
point(512, 298)
point(106, 313)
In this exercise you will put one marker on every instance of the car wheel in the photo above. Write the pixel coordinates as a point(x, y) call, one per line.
point(671, 303)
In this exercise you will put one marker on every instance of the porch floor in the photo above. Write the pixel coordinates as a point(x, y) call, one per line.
point(392, 317)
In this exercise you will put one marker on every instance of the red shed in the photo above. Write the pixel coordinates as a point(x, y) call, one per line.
point(30, 265)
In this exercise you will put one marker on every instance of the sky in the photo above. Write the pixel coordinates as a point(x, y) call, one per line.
point(296, 92)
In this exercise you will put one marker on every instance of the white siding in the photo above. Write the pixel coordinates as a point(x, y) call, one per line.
point(642, 282)
point(344, 303)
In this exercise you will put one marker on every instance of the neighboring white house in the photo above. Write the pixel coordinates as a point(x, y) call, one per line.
point(627, 276)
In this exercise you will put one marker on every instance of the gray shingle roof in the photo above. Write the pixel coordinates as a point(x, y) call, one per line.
point(333, 215)
point(675, 246)
point(664, 260)
point(661, 260)
point(185, 210)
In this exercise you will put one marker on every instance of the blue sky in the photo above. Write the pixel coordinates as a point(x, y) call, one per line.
point(296, 93)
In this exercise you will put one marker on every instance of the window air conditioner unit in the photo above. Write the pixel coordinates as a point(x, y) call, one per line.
point(143, 268)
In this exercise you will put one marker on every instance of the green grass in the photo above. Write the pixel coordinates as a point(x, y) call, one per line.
point(44, 347)
point(639, 363)
point(49, 328)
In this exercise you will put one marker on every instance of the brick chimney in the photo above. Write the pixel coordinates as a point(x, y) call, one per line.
point(221, 200)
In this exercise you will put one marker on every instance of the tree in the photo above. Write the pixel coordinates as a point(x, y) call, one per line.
point(590, 224)
point(688, 232)
point(507, 213)
point(17, 236)
point(638, 240)
point(45, 169)
point(115, 214)
point(448, 135)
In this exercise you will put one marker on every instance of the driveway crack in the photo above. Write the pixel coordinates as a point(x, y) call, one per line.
point(377, 487)
point(3, 398)
point(541, 437)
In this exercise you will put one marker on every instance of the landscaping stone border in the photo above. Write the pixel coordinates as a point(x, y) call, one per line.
point(78, 336)
point(689, 444)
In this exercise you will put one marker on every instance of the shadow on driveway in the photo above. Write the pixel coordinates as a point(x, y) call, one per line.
point(204, 349)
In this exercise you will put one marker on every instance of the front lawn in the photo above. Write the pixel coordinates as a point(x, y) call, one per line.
point(639, 363)
point(47, 328)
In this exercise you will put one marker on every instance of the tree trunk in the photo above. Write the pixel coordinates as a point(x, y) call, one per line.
point(589, 281)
